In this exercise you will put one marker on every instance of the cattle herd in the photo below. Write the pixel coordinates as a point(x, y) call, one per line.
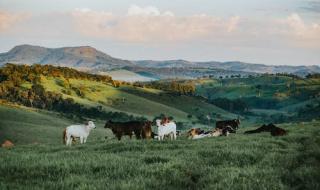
point(165, 127)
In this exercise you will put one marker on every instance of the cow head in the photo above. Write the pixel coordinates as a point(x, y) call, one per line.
point(237, 122)
point(158, 122)
point(91, 125)
point(148, 123)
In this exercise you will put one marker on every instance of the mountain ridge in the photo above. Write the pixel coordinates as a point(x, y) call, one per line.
point(85, 57)
point(91, 59)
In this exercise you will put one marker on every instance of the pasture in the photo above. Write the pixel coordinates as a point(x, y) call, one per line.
point(259, 161)
point(151, 102)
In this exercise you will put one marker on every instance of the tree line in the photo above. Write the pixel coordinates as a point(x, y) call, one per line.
point(176, 87)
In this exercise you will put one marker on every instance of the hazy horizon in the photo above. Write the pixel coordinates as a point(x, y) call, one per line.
point(285, 32)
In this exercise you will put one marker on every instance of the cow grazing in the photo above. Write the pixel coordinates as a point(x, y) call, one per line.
point(230, 125)
point(81, 131)
point(274, 130)
point(140, 129)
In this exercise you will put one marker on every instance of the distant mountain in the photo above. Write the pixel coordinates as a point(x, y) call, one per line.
point(83, 57)
point(231, 66)
point(92, 60)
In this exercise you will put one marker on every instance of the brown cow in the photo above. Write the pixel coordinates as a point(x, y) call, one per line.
point(139, 128)
point(274, 130)
point(146, 131)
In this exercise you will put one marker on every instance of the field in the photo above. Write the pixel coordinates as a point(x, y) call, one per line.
point(40, 161)
point(151, 102)
point(269, 98)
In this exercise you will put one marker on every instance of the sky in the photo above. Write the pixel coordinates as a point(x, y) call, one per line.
point(273, 32)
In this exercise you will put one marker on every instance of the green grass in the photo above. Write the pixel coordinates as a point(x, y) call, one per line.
point(144, 102)
point(190, 105)
point(236, 162)
point(22, 125)
point(269, 98)
point(246, 87)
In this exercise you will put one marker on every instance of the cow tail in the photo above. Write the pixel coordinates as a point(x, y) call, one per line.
point(64, 136)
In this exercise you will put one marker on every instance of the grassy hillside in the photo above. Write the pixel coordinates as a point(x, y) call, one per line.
point(236, 162)
point(23, 125)
point(150, 102)
point(195, 106)
point(267, 86)
point(277, 98)
point(81, 94)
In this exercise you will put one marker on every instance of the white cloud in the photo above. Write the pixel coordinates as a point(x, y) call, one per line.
point(301, 32)
point(7, 20)
point(149, 24)
point(135, 10)
point(233, 23)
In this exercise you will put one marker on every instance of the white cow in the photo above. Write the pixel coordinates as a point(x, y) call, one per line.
point(81, 131)
point(166, 129)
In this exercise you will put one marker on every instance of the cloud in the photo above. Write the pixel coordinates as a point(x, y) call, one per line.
point(295, 28)
point(7, 20)
point(233, 23)
point(149, 24)
point(135, 10)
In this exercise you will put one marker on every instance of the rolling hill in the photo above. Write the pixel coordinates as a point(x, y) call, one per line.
point(59, 89)
point(82, 57)
point(276, 98)
point(89, 59)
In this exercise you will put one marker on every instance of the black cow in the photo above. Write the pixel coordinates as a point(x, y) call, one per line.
point(228, 125)
point(274, 130)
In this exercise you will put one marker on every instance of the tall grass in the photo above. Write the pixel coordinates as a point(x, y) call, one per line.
point(236, 162)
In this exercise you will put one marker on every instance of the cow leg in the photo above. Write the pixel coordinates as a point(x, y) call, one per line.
point(84, 139)
point(69, 140)
point(137, 134)
point(81, 139)
point(175, 136)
